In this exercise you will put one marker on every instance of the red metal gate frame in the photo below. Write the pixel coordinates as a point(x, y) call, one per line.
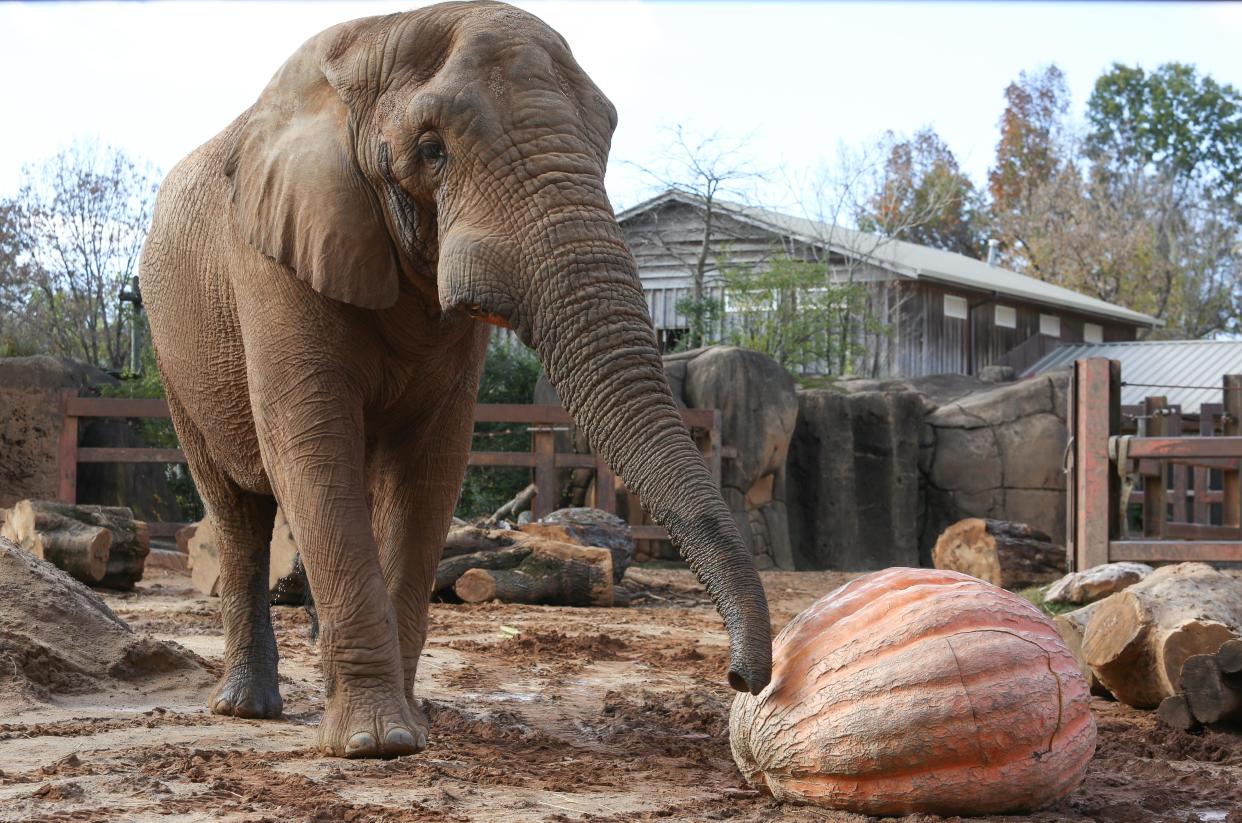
point(1094, 487)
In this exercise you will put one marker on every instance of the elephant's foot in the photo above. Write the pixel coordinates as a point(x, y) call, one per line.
point(373, 723)
point(246, 692)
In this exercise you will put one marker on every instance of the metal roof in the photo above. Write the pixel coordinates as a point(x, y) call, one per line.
point(911, 259)
point(1187, 372)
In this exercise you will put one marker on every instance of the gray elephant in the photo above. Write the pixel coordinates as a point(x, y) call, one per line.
point(320, 276)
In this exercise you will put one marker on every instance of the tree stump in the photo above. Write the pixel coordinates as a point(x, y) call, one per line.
point(1210, 689)
point(204, 559)
point(1005, 554)
point(98, 545)
point(286, 581)
point(552, 573)
point(1138, 639)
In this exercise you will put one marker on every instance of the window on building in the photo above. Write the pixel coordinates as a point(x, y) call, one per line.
point(1092, 333)
point(1050, 325)
point(955, 307)
point(1006, 317)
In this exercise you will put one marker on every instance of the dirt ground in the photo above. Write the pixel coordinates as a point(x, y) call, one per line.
point(538, 714)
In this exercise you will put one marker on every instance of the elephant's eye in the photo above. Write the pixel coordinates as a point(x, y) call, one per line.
point(432, 151)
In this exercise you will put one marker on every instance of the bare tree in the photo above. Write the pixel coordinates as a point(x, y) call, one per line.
point(710, 169)
point(82, 217)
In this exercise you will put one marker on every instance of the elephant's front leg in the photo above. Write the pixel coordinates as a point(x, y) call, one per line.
point(415, 484)
point(316, 467)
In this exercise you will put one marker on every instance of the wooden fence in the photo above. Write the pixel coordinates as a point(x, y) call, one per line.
point(543, 422)
point(1149, 483)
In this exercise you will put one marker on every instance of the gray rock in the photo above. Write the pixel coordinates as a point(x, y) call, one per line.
point(1096, 583)
point(997, 374)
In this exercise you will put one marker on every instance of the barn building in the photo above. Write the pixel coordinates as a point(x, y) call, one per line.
point(942, 312)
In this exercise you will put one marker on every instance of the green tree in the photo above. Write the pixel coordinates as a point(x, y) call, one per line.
point(509, 376)
point(1171, 121)
point(792, 311)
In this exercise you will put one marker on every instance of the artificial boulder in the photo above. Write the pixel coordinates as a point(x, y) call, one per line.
point(1096, 583)
point(853, 483)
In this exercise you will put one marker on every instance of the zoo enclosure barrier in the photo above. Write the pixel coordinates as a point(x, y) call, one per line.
point(1138, 487)
point(543, 423)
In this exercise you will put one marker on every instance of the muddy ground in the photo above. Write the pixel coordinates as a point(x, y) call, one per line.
point(594, 715)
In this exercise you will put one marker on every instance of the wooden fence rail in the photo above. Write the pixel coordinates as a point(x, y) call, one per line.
point(1138, 465)
point(543, 422)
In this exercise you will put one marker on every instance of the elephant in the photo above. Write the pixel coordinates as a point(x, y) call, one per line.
point(322, 278)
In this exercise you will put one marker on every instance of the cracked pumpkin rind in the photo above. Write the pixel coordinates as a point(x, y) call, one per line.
point(918, 690)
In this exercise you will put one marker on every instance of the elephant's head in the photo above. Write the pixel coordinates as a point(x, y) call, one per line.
point(460, 150)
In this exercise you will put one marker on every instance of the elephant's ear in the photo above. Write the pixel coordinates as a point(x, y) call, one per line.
point(299, 194)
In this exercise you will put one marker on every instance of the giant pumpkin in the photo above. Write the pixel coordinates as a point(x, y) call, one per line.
point(918, 690)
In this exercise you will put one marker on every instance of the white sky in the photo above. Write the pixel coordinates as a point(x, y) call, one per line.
point(157, 79)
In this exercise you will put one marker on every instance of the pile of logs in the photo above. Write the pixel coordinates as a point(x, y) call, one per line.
point(557, 563)
point(1135, 643)
point(1010, 555)
point(98, 545)
point(1209, 689)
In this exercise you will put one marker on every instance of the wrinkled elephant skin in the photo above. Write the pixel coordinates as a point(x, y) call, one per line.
point(320, 278)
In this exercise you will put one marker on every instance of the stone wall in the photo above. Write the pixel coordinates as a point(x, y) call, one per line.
point(877, 469)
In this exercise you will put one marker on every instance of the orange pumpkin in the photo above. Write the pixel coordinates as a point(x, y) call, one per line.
point(918, 690)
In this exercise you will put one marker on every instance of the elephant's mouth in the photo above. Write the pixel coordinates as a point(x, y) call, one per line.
point(477, 312)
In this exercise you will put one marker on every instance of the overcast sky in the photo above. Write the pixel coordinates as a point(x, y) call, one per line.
point(158, 79)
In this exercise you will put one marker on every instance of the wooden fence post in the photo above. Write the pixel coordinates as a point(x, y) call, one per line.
point(1231, 501)
point(67, 452)
point(1097, 416)
point(1155, 485)
point(546, 495)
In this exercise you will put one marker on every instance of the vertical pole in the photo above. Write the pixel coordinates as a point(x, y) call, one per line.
point(1178, 470)
point(605, 487)
point(1097, 416)
point(1231, 505)
point(67, 452)
point(546, 491)
point(1202, 509)
point(1155, 496)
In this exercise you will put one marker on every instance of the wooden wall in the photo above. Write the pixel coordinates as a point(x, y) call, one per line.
point(921, 339)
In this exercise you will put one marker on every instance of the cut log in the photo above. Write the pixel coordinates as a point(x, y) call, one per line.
point(286, 582)
point(554, 574)
point(1137, 640)
point(589, 527)
point(1071, 627)
point(98, 545)
point(1210, 698)
point(204, 559)
point(472, 539)
point(1005, 554)
point(1175, 711)
point(450, 570)
point(1229, 659)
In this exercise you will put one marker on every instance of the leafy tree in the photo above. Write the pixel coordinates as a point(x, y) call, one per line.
point(921, 195)
point(1173, 121)
point(81, 219)
point(709, 169)
point(1031, 147)
point(509, 376)
point(792, 311)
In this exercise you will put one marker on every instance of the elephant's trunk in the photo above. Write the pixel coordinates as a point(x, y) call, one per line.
point(588, 321)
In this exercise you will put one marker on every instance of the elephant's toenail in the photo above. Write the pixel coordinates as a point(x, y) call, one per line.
point(399, 741)
point(360, 743)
